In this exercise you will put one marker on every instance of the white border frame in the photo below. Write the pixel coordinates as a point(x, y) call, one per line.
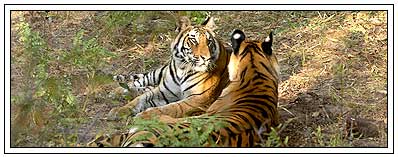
point(7, 64)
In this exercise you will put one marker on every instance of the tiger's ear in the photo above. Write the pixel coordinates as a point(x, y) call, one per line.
point(267, 44)
point(209, 23)
point(236, 39)
point(183, 23)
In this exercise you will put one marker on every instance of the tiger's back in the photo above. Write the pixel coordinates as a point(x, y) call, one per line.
point(249, 103)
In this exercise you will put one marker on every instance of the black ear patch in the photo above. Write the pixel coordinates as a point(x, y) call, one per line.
point(236, 39)
point(206, 21)
point(267, 44)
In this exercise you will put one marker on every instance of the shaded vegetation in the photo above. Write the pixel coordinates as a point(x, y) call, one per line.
point(196, 135)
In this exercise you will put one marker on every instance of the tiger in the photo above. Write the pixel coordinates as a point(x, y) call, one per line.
point(247, 106)
point(193, 79)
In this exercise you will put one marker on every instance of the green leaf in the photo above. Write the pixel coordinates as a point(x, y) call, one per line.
point(70, 99)
point(124, 85)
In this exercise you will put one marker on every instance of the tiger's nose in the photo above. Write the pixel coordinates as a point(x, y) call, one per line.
point(200, 58)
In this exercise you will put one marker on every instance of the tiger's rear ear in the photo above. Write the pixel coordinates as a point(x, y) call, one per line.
point(209, 23)
point(236, 39)
point(183, 23)
point(267, 44)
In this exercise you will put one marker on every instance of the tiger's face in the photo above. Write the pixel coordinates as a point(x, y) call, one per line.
point(197, 46)
point(251, 53)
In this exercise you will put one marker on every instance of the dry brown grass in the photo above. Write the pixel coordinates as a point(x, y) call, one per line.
point(333, 68)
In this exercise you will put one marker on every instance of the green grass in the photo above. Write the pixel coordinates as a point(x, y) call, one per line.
point(52, 93)
point(196, 135)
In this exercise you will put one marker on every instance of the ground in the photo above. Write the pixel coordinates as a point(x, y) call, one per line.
point(332, 92)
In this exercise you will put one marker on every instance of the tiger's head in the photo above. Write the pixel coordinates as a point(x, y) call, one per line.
point(254, 53)
point(196, 46)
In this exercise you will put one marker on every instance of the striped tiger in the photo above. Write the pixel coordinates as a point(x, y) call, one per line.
point(196, 73)
point(248, 105)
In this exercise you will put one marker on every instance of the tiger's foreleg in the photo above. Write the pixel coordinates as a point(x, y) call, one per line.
point(176, 109)
point(149, 99)
point(194, 104)
point(142, 82)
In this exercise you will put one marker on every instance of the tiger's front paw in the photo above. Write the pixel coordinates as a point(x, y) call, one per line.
point(121, 78)
point(120, 113)
point(132, 82)
point(135, 78)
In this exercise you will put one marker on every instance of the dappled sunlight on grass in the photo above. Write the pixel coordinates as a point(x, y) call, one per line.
point(333, 65)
